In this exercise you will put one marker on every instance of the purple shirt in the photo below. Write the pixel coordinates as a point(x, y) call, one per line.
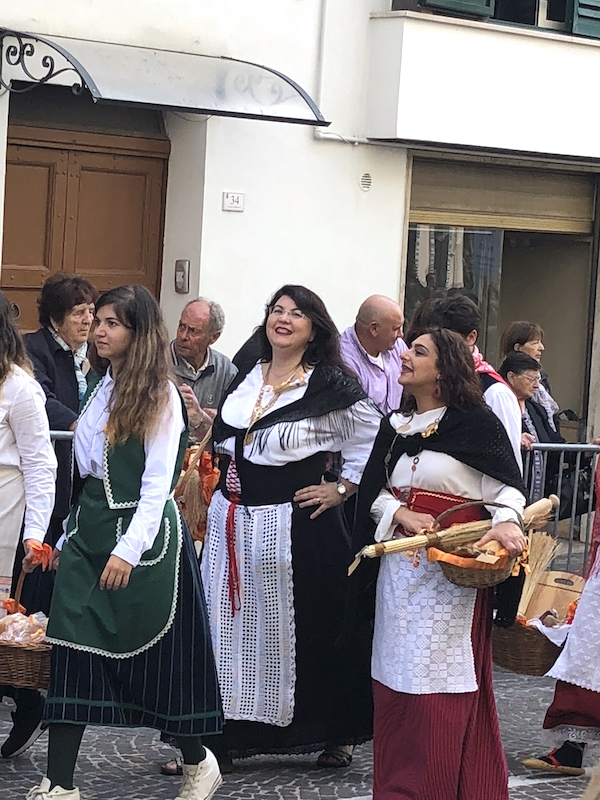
point(381, 384)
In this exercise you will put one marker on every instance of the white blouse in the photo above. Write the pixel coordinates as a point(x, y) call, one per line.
point(161, 450)
point(422, 638)
point(25, 445)
point(355, 449)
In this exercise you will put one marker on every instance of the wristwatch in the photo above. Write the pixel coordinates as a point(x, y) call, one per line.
point(342, 491)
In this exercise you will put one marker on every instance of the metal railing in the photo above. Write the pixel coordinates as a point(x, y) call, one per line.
point(568, 471)
point(60, 436)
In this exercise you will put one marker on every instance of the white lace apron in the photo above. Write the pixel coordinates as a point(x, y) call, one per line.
point(255, 648)
point(422, 638)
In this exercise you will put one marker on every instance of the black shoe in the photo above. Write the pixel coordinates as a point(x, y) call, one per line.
point(566, 760)
point(27, 726)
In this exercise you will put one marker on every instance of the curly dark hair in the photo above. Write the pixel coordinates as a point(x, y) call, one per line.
point(519, 332)
point(459, 385)
point(325, 347)
point(60, 293)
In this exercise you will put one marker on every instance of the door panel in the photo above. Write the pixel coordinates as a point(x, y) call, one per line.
point(34, 223)
point(114, 219)
point(99, 214)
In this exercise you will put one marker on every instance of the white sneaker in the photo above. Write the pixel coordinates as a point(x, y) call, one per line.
point(200, 781)
point(42, 792)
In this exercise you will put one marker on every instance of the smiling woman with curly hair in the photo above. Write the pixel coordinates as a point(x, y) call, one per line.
point(436, 731)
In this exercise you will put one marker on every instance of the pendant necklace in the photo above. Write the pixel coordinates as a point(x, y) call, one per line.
point(259, 410)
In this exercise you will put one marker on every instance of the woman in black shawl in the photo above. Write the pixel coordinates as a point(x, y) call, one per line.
point(436, 733)
point(277, 548)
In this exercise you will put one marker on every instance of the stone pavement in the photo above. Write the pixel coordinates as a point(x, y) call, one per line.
point(119, 764)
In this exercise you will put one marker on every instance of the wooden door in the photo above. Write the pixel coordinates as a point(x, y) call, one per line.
point(88, 211)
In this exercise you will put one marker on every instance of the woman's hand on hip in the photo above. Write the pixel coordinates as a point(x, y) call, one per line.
point(323, 496)
point(116, 574)
point(413, 522)
point(510, 536)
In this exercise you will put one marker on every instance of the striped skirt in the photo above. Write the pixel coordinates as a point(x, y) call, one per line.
point(171, 687)
point(442, 746)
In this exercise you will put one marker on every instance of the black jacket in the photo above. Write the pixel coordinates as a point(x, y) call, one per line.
point(55, 372)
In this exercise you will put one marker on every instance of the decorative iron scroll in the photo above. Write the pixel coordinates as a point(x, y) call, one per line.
point(18, 53)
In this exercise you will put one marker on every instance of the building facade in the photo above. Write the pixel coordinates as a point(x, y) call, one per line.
point(461, 152)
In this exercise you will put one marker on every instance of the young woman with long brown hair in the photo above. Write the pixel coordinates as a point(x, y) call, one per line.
point(128, 621)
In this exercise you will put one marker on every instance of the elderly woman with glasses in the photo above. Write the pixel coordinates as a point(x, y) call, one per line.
point(522, 372)
point(527, 337)
point(277, 549)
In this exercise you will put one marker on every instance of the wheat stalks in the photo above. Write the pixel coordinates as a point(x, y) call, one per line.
point(457, 535)
point(542, 548)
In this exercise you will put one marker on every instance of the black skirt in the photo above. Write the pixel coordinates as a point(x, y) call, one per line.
point(171, 687)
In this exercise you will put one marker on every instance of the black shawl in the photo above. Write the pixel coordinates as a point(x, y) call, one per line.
point(475, 437)
point(329, 391)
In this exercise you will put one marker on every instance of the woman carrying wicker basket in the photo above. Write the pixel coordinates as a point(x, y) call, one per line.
point(128, 620)
point(436, 734)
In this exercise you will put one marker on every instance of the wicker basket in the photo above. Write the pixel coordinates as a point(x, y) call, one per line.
point(470, 573)
point(26, 667)
point(523, 649)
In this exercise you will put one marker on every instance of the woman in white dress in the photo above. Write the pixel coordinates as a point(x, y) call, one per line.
point(436, 734)
point(27, 475)
point(277, 549)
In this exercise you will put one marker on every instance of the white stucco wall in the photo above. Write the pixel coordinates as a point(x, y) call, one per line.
point(306, 220)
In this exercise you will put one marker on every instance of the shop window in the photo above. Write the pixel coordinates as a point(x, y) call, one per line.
point(446, 260)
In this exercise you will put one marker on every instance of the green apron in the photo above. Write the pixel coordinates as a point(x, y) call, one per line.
point(125, 622)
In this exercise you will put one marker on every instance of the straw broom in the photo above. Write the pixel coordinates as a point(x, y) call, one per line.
point(542, 548)
point(188, 491)
point(457, 535)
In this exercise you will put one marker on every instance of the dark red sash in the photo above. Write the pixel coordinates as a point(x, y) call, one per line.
point(424, 501)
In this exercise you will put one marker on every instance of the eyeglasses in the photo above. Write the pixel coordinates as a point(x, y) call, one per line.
point(532, 379)
point(295, 313)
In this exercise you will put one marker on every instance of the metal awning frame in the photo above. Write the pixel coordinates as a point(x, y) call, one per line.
point(18, 50)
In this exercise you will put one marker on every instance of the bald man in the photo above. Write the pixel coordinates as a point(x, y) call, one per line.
point(372, 348)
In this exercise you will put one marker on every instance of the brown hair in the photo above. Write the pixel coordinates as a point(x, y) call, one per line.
point(12, 347)
point(141, 391)
point(325, 347)
point(60, 293)
point(459, 384)
point(519, 332)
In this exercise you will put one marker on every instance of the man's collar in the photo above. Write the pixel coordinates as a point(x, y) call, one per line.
point(363, 348)
point(180, 360)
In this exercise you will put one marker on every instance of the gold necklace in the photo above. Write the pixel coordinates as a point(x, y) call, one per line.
point(259, 410)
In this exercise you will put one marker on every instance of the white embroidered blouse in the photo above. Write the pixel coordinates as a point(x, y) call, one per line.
point(355, 449)
point(25, 445)
point(161, 456)
point(422, 638)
